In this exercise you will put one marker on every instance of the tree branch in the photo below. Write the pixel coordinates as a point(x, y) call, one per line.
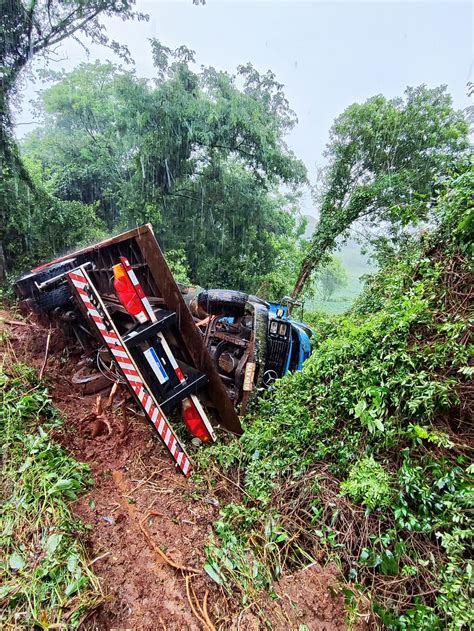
point(50, 40)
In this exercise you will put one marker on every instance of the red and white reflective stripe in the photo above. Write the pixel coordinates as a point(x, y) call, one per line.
point(138, 288)
point(172, 360)
point(179, 373)
point(85, 289)
point(193, 397)
point(181, 377)
point(147, 306)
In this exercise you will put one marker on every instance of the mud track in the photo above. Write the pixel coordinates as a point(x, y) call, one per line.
point(139, 502)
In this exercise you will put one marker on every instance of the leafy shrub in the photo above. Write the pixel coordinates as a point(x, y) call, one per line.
point(46, 579)
point(368, 484)
point(380, 410)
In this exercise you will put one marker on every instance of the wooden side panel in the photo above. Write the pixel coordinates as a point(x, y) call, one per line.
point(166, 284)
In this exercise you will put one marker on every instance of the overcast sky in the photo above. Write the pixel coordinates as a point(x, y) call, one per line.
point(327, 54)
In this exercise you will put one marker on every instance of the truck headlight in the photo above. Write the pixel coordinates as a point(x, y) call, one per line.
point(273, 327)
point(282, 329)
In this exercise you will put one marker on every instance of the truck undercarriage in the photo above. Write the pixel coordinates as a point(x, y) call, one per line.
point(227, 345)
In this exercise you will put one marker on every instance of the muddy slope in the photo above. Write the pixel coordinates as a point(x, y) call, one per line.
point(140, 504)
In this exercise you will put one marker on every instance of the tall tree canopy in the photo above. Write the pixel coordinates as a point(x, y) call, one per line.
point(29, 29)
point(34, 27)
point(384, 157)
point(201, 158)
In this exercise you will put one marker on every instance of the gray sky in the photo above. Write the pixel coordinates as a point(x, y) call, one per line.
point(327, 54)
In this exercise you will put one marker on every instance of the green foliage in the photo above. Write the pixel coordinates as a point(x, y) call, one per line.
point(457, 576)
point(45, 575)
point(368, 484)
point(377, 418)
point(30, 30)
point(455, 212)
point(176, 260)
point(330, 277)
point(192, 153)
point(232, 564)
point(384, 160)
point(42, 225)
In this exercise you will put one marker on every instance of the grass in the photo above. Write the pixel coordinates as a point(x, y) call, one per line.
point(46, 580)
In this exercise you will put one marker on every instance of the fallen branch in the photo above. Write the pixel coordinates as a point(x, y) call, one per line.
point(17, 323)
point(112, 395)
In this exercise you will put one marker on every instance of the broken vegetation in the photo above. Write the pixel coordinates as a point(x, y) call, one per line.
point(45, 573)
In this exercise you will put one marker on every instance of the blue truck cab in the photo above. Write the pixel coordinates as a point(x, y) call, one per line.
point(251, 341)
point(288, 343)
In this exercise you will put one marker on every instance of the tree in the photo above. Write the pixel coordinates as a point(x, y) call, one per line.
point(43, 225)
point(84, 142)
point(331, 277)
point(32, 29)
point(384, 157)
point(192, 153)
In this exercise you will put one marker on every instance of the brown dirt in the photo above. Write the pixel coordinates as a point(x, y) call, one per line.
point(313, 597)
point(136, 491)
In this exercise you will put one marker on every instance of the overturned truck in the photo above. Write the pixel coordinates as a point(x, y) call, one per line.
point(175, 347)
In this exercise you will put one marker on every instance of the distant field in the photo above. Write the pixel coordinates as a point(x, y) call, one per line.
point(356, 265)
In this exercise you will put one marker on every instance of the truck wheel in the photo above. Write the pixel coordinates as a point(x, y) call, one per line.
point(222, 302)
point(25, 286)
point(49, 300)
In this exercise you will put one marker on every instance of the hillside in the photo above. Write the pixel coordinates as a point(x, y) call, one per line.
point(179, 451)
point(364, 457)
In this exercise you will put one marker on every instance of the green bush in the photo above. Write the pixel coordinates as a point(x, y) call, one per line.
point(368, 484)
point(378, 412)
point(46, 580)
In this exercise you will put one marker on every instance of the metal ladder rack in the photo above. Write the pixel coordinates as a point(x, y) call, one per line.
point(138, 353)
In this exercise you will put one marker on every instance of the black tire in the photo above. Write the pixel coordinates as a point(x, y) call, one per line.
point(25, 285)
point(49, 300)
point(223, 302)
point(308, 330)
point(54, 270)
point(51, 297)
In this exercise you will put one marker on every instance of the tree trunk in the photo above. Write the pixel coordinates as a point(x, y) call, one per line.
point(303, 276)
point(311, 262)
point(2, 264)
point(3, 183)
point(322, 243)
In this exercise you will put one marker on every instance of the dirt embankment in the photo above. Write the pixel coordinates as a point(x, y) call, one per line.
point(139, 504)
